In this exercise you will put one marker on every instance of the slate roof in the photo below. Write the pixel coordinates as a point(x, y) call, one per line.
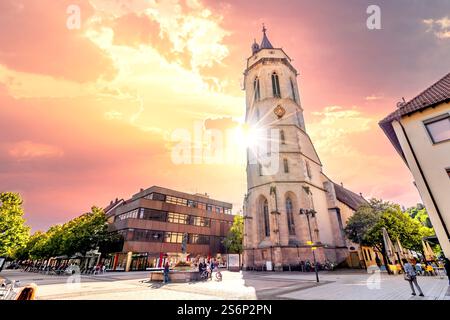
point(265, 43)
point(348, 197)
point(438, 93)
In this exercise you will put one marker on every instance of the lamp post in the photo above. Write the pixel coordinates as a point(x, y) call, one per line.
point(311, 213)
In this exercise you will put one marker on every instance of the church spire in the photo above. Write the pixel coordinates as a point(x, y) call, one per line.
point(265, 43)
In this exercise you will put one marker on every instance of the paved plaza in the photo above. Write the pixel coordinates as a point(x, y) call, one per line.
point(345, 284)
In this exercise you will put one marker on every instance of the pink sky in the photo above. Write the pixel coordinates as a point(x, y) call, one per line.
point(87, 115)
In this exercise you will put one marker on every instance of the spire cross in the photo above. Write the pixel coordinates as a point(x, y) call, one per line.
point(264, 28)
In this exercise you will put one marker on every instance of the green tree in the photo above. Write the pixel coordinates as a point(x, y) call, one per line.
point(366, 226)
point(233, 241)
point(14, 233)
point(78, 235)
point(420, 214)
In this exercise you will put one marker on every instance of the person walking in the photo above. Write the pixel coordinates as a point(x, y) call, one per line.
point(447, 269)
point(211, 267)
point(418, 268)
point(166, 272)
point(411, 277)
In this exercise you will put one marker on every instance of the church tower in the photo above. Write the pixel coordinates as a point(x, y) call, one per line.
point(284, 172)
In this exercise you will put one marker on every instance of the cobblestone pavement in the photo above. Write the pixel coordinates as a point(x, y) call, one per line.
point(344, 284)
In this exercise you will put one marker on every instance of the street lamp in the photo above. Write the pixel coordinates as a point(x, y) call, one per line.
point(312, 213)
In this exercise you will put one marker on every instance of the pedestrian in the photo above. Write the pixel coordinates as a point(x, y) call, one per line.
point(377, 260)
point(447, 269)
point(211, 266)
point(411, 277)
point(166, 272)
point(418, 268)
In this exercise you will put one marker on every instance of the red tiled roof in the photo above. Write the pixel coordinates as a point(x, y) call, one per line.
point(438, 93)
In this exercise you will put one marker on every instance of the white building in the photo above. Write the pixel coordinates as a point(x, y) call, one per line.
point(284, 172)
point(420, 132)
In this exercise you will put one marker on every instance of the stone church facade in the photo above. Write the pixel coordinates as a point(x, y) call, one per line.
point(284, 172)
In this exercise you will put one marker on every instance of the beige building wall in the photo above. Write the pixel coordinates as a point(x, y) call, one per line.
point(433, 159)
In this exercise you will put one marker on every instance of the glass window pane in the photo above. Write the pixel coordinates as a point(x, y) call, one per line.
point(439, 130)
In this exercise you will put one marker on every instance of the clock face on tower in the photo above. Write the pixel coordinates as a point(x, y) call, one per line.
point(279, 111)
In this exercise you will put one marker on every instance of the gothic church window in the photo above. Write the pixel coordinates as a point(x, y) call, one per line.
point(308, 169)
point(266, 218)
point(290, 216)
point(294, 97)
point(256, 89)
point(282, 138)
point(275, 86)
point(286, 166)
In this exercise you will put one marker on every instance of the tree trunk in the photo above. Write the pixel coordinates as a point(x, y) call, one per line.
point(386, 260)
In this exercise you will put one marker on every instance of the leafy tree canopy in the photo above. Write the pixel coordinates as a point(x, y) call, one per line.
point(366, 225)
point(14, 233)
point(233, 241)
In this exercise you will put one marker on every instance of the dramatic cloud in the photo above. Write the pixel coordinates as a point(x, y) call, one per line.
point(86, 115)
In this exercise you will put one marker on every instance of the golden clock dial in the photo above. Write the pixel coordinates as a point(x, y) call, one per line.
point(279, 111)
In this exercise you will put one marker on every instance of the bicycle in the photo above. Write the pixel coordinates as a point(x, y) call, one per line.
point(204, 275)
point(218, 274)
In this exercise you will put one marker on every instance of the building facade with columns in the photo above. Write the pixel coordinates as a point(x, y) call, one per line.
point(284, 172)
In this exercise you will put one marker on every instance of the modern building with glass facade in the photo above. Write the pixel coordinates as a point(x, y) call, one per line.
point(156, 222)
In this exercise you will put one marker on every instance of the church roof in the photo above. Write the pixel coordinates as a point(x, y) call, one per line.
point(265, 43)
point(348, 197)
point(438, 93)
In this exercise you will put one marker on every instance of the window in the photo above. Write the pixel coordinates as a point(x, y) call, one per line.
point(192, 204)
point(146, 235)
point(308, 169)
point(200, 221)
point(439, 128)
point(286, 166)
point(227, 210)
point(260, 169)
point(209, 207)
point(133, 214)
point(275, 86)
point(219, 210)
point(177, 218)
point(294, 97)
point(156, 196)
point(198, 239)
point(173, 237)
point(290, 216)
point(266, 218)
point(176, 200)
point(257, 95)
point(282, 138)
point(152, 214)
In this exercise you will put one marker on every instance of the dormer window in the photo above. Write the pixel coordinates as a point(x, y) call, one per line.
point(275, 86)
